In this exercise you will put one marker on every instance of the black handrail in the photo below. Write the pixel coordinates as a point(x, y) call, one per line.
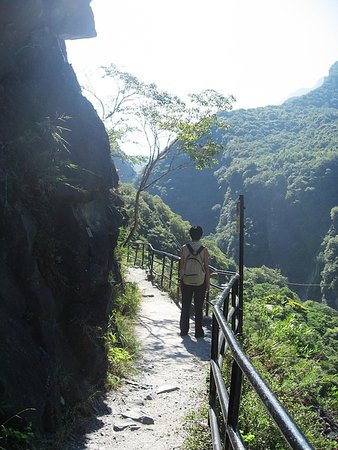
point(163, 267)
point(226, 328)
point(241, 366)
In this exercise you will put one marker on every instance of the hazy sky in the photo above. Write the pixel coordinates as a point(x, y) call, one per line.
point(260, 51)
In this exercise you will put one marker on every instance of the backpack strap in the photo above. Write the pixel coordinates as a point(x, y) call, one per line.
point(191, 250)
point(199, 250)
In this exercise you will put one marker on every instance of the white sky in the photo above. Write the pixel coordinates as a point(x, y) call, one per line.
point(260, 51)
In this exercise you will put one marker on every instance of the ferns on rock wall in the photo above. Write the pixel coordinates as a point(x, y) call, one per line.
point(58, 227)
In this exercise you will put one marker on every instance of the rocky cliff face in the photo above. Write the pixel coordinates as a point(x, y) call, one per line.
point(59, 216)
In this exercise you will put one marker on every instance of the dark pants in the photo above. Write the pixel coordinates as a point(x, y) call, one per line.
point(188, 292)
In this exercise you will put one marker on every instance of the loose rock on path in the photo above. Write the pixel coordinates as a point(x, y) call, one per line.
point(149, 410)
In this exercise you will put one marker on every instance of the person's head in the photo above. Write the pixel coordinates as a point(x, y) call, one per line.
point(196, 233)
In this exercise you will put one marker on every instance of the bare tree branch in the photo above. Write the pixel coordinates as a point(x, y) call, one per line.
point(164, 120)
point(103, 117)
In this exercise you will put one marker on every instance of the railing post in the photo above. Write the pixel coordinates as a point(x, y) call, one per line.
point(152, 263)
point(237, 327)
point(236, 323)
point(128, 253)
point(234, 400)
point(142, 261)
point(240, 218)
point(171, 271)
point(136, 252)
point(226, 306)
point(207, 304)
point(163, 268)
point(148, 258)
point(213, 357)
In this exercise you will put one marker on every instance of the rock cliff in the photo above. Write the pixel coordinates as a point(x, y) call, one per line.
point(59, 217)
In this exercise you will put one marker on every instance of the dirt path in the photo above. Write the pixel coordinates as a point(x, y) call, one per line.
point(149, 410)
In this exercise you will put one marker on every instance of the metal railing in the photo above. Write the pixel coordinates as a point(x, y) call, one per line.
point(224, 403)
point(227, 324)
point(163, 268)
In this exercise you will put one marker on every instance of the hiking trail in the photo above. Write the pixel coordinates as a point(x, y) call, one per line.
point(149, 410)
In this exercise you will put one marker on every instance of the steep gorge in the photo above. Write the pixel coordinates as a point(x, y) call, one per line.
point(284, 159)
point(59, 218)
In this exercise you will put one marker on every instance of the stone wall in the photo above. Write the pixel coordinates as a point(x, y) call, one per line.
point(59, 217)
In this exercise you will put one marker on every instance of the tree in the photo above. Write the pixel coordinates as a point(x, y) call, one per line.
point(164, 125)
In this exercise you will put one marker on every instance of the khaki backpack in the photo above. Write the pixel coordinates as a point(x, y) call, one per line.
point(194, 273)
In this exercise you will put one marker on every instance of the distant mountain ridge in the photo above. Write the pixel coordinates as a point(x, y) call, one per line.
point(303, 91)
point(284, 159)
point(325, 95)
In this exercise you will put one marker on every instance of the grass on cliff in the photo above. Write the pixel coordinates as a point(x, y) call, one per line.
point(122, 346)
point(197, 429)
point(15, 437)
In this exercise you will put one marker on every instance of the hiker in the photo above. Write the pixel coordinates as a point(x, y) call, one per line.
point(194, 277)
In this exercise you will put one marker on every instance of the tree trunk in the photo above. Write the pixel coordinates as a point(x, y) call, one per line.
point(135, 218)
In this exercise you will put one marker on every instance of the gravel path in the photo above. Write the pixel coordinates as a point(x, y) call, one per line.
point(148, 411)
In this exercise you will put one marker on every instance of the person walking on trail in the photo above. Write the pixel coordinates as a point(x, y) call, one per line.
point(195, 280)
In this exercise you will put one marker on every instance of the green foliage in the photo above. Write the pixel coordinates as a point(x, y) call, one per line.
point(293, 344)
point(166, 230)
point(158, 224)
point(284, 159)
point(329, 259)
point(198, 432)
point(294, 347)
point(260, 275)
point(121, 344)
point(14, 438)
point(15, 432)
point(157, 118)
point(36, 156)
point(163, 124)
point(56, 129)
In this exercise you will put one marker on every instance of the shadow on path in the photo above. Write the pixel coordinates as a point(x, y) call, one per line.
point(199, 347)
point(89, 423)
point(165, 358)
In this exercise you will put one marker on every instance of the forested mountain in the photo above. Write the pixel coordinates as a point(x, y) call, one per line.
point(284, 159)
point(164, 229)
